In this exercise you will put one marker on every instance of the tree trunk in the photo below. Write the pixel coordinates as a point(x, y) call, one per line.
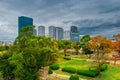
point(65, 52)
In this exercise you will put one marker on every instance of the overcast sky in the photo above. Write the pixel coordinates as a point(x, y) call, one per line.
point(95, 17)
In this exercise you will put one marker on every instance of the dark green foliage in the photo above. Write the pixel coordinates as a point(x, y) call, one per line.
point(26, 56)
point(50, 71)
point(104, 67)
point(54, 66)
point(69, 69)
point(6, 68)
point(2, 48)
point(90, 73)
point(67, 58)
point(74, 77)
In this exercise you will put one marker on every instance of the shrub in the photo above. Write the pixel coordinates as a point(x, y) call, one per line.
point(50, 71)
point(69, 69)
point(104, 67)
point(74, 77)
point(54, 66)
point(90, 73)
point(67, 58)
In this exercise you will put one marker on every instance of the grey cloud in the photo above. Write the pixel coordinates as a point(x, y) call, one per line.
point(83, 13)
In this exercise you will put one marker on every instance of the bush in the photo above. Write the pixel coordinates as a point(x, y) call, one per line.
point(104, 67)
point(69, 69)
point(67, 58)
point(90, 73)
point(74, 77)
point(50, 71)
point(54, 66)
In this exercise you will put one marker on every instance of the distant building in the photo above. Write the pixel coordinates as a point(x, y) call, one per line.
point(52, 32)
point(56, 32)
point(35, 32)
point(59, 33)
point(23, 22)
point(66, 35)
point(41, 31)
point(74, 29)
point(74, 35)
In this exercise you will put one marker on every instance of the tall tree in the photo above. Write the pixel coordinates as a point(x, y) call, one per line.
point(100, 46)
point(83, 43)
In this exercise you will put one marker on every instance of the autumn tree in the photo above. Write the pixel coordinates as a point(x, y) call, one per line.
point(116, 47)
point(100, 46)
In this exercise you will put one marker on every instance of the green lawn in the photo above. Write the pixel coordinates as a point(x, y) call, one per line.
point(112, 73)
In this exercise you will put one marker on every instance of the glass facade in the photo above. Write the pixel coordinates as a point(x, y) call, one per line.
point(24, 21)
point(74, 35)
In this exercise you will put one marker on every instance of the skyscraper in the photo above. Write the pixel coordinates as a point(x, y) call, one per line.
point(59, 33)
point(41, 31)
point(56, 32)
point(74, 35)
point(66, 35)
point(74, 29)
point(52, 32)
point(23, 22)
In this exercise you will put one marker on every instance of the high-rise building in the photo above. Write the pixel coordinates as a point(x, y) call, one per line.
point(23, 22)
point(56, 32)
point(74, 35)
point(74, 29)
point(59, 33)
point(66, 35)
point(52, 32)
point(41, 31)
point(35, 32)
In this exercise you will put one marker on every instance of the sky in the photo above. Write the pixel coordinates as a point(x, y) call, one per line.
point(94, 17)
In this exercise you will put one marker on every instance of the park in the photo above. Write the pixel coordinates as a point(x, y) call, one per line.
point(41, 58)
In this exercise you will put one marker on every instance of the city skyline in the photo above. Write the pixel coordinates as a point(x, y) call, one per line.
point(90, 16)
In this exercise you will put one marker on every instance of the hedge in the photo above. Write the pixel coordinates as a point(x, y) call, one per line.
point(54, 66)
point(69, 69)
point(90, 73)
point(50, 71)
point(104, 67)
point(74, 77)
point(67, 58)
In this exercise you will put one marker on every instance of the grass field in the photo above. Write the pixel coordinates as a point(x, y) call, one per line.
point(78, 62)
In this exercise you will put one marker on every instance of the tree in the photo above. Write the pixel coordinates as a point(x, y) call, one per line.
point(116, 47)
point(116, 43)
point(83, 43)
point(100, 46)
point(65, 44)
point(27, 55)
point(77, 47)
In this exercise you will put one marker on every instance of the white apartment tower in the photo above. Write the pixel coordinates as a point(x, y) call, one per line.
point(41, 30)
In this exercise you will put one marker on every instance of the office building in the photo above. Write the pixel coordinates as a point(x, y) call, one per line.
point(23, 22)
point(52, 32)
point(66, 35)
point(56, 32)
point(74, 29)
point(74, 35)
point(59, 33)
point(41, 31)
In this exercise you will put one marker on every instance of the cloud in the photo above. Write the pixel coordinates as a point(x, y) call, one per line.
point(86, 14)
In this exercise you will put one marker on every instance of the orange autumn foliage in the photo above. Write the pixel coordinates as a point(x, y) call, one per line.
point(100, 43)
